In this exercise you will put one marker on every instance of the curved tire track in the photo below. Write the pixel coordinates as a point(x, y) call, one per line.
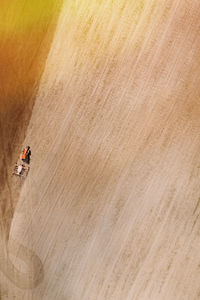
point(23, 280)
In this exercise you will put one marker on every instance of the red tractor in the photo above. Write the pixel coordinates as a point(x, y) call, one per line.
point(26, 155)
point(21, 168)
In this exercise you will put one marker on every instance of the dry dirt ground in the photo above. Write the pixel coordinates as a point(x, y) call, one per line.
point(23, 52)
point(110, 208)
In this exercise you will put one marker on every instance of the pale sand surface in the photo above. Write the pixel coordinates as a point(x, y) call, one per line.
point(111, 203)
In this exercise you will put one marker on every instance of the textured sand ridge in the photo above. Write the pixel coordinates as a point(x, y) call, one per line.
point(111, 204)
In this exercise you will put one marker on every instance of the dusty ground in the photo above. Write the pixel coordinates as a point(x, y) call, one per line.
point(24, 47)
point(110, 209)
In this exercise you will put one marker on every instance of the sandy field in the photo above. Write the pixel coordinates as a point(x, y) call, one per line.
point(110, 208)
